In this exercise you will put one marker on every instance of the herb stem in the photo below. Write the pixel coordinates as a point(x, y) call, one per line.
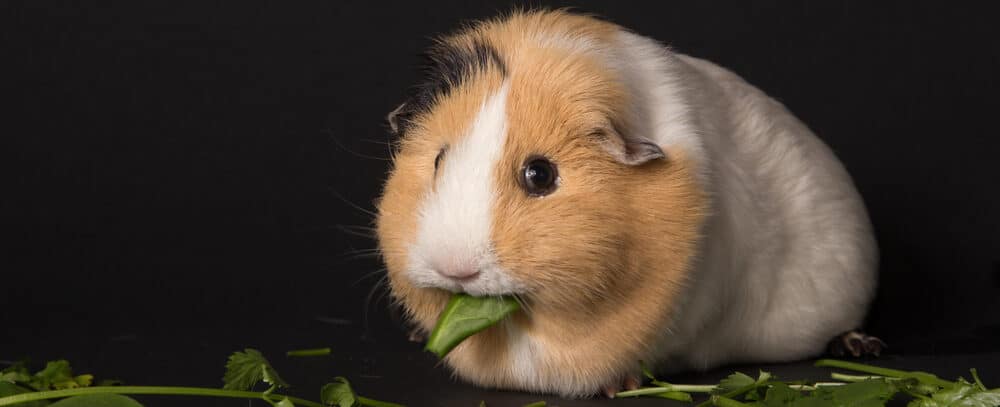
point(806, 387)
point(645, 391)
point(859, 367)
point(365, 401)
point(853, 378)
point(309, 352)
point(975, 376)
point(154, 390)
point(693, 388)
point(883, 371)
point(687, 388)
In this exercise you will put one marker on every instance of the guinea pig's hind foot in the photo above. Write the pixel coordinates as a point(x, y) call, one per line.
point(630, 382)
point(857, 344)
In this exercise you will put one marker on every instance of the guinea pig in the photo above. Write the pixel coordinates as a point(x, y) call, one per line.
point(640, 203)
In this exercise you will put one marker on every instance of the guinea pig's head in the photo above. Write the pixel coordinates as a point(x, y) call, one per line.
point(521, 169)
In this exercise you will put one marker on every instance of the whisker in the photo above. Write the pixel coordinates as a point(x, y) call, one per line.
point(379, 142)
point(362, 256)
point(523, 303)
point(337, 142)
point(370, 253)
point(359, 227)
point(385, 293)
point(369, 275)
point(368, 299)
point(352, 204)
point(348, 230)
point(356, 251)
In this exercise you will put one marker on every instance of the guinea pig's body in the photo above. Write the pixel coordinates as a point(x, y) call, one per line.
point(644, 205)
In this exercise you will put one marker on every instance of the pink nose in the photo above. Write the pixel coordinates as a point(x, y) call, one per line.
point(458, 271)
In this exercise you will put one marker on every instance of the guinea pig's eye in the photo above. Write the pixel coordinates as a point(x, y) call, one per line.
point(437, 160)
point(539, 176)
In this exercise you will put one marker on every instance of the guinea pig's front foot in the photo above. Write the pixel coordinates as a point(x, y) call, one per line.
point(629, 382)
point(857, 344)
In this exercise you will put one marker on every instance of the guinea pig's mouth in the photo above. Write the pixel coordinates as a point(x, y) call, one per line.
point(492, 281)
point(477, 274)
point(474, 287)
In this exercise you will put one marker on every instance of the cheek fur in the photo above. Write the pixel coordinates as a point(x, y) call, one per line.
point(567, 247)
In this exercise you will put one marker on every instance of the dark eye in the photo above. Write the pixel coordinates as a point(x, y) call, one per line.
point(437, 160)
point(539, 176)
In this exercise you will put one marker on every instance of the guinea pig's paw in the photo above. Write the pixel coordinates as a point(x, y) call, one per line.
point(857, 344)
point(629, 382)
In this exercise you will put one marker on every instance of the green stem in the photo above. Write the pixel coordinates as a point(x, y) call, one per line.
point(154, 390)
point(365, 401)
point(859, 367)
point(721, 401)
point(853, 378)
point(806, 387)
point(882, 371)
point(693, 388)
point(309, 352)
point(645, 391)
point(667, 387)
point(975, 376)
point(687, 388)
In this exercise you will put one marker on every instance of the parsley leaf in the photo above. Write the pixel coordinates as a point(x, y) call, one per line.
point(874, 392)
point(734, 382)
point(338, 393)
point(56, 375)
point(246, 369)
point(16, 373)
point(964, 394)
point(464, 316)
point(779, 394)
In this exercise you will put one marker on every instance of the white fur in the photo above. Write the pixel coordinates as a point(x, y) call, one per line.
point(455, 218)
point(660, 112)
point(525, 352)
point(787, 260)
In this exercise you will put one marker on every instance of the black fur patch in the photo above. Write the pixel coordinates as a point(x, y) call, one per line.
point(445, 68)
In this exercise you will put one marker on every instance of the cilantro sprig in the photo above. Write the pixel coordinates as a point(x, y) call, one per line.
point(244, 371)
point(56, 386)
point(874, 389)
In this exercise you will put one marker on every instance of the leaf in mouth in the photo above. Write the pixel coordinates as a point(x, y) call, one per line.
point(466, 315)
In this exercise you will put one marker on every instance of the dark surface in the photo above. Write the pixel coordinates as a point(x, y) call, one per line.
point(181, 181)
point(386, 368)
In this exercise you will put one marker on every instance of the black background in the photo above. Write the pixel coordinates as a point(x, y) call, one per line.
point(182, 180)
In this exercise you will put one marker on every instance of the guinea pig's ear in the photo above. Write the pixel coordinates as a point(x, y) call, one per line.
point(629, 150)
point(398, 118)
